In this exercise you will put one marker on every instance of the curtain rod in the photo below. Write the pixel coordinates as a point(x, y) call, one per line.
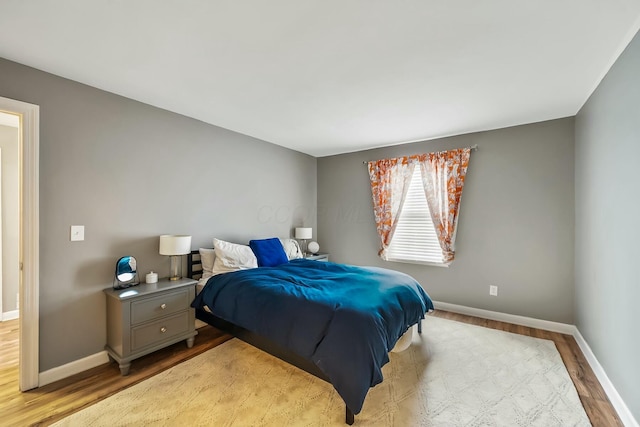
point(473, 147)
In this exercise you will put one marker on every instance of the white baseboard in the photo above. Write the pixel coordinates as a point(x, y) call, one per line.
point(75, 367)
point(72, 368)
point(11, 315)
point(621, 408)
point(547, 325)
point(80, 365)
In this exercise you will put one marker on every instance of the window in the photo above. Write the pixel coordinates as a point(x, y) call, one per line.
point(415, 238)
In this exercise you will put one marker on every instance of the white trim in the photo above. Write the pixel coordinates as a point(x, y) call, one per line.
point(77, 366)
point(10, 120)
point(10, 315)
point(72, 368)
point(29, 240)
point(621, 408)
point(547, 325)
point(616, 400)
point(1, 222)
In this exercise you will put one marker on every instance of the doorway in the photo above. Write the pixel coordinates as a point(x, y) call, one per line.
point(28, 253)
point(9, 215)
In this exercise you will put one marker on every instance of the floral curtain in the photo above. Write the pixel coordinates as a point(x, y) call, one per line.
point(390, 179)
point(443, 175)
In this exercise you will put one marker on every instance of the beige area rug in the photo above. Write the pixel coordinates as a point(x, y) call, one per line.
point(453, 374)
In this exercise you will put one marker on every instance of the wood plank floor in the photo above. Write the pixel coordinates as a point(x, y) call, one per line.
point(9, 340)
point(50, 403)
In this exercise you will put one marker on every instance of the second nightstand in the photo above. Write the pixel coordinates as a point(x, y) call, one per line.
point(320, 256)
point(145, 318)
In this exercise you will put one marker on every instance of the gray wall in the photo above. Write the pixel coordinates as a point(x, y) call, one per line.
point(129, 172)
point(515, 228)
point(9, 143)
point(607, 231)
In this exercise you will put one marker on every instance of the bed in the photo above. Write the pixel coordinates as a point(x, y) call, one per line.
point(336, 321)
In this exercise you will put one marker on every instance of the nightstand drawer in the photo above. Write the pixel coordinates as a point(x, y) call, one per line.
point(148, 317)
point(159, 331)
point(155, 307)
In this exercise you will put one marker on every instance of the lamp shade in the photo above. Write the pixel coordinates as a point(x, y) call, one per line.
point(175, 244)
point(303, 232)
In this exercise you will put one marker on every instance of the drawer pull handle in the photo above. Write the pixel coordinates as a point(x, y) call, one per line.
point(163, 306)
point(163, 329)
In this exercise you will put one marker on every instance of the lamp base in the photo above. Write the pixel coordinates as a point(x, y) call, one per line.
point(176, 267)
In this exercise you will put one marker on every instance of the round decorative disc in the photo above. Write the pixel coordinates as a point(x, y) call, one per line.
point(313, 247)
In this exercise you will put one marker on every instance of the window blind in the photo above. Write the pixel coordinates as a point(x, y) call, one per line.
point(415, 237)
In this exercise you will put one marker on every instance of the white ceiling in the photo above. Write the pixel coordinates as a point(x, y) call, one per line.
point(331, 76)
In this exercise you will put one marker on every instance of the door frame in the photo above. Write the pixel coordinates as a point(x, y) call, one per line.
point(1, 243)
point(29, 357)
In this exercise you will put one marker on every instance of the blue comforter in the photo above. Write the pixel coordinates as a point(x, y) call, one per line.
point(345, 319)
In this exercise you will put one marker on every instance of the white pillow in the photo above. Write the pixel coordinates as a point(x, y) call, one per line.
point(207, 257)
point(291, 248)
point(232, 257)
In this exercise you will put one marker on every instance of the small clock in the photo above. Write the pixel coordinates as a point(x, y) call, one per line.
point(313, 247)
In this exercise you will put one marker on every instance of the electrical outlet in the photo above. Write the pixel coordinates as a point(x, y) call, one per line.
point(77, 233)
point(493, 290)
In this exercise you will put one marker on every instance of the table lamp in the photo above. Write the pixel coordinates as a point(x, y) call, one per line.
point(304, 233)
point(175, 246)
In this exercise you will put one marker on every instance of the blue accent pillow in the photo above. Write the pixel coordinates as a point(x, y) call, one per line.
point(269, 252)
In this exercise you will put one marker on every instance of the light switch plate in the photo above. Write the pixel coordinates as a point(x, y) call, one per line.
point(77, 233)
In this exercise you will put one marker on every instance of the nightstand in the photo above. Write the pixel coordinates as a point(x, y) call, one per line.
point(320, 256)
point(145, 318)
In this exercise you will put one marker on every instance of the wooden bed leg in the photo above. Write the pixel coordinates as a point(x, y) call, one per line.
point(420, 326)
point(350, 418)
